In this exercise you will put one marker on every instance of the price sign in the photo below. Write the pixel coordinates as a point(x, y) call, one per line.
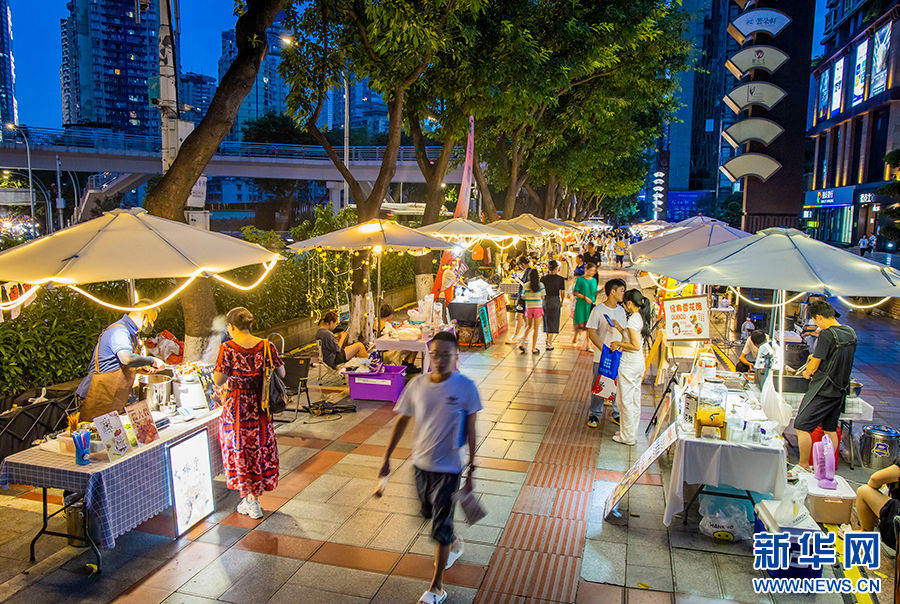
point(687, 318)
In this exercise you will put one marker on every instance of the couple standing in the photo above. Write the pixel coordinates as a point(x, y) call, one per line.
point(610, 326)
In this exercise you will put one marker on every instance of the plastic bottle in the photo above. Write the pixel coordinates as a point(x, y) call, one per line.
point(735, 432)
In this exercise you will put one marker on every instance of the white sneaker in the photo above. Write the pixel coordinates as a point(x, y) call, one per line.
point(250, 508)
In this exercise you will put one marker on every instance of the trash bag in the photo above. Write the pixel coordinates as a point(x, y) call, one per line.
point(792, 508)
point(729, 523)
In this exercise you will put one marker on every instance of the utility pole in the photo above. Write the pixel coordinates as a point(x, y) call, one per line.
point(347, 135)
point(60, 202)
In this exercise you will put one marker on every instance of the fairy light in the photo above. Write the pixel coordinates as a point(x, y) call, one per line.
point(246, 288)
point(666, 289)
point(757, 304)
point(20, 300)
point(864, 306)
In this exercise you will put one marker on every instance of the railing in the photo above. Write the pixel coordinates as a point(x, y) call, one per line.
point(112, 141)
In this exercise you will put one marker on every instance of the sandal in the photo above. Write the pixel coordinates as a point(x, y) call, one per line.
point(619, 440)
point(429, 597)
point(521, 349)
point(549, 347)
point(536, 351)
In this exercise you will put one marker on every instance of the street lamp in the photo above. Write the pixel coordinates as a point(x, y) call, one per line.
point(19, 129)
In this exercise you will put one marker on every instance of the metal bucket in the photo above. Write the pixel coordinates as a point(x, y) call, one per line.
point(156, 389)
point(75, 524)
point(879, 446)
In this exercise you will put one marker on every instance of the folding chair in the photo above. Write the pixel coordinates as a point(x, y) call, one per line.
point(296, 379)
point(323, 367)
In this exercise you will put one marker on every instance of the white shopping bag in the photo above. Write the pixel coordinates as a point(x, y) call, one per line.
point(773, 405)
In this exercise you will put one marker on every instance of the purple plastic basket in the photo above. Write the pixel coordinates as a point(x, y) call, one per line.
point(384, 385)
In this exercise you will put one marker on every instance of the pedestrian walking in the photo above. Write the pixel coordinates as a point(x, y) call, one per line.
point(533, 294)
point(585, 293)
point(443, 405)
point(863, 245)
point(620, 248)
point(246, 433)
point(601, 332)
point(554, 288)
point(873, 240)
point(631, 368)
point(524, 265)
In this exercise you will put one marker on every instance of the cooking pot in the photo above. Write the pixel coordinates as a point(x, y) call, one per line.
point(155, 388)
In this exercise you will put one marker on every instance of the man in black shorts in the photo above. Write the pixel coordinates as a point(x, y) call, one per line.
point(443, 404)
point(829, 373)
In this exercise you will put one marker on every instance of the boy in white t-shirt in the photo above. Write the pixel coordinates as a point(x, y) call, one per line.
point(600, 332)
point(444, 404)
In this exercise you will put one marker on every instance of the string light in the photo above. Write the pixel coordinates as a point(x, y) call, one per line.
point(20, 300)
point(757, 304)
point(665, 289)
point(246, 288)
point(865, 306)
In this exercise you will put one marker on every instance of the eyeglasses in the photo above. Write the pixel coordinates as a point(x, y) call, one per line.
point(442, 355)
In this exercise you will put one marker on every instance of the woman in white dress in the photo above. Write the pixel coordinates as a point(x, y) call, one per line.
point(631, 367)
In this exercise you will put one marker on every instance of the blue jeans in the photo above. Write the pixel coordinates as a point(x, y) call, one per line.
point(597, 402)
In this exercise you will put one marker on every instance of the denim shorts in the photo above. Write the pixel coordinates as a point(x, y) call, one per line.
point(436, 491)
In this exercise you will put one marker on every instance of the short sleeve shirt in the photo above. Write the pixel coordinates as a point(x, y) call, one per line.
point(440, 411)
point(121, 335)
point(553, 284)
point(836, 354)
point(534, 299)
point(607, 333)
point(750, 351)
point(330, 348)
point(636, 323)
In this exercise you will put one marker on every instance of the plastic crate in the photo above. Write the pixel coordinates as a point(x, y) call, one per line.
point(383, 385)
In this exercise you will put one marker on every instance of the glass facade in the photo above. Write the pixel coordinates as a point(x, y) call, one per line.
point(8, 109)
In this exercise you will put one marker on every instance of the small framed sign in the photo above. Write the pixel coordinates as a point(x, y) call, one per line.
point(191, 478)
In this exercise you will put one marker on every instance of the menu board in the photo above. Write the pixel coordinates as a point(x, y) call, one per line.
point(687, 318)
point(190, 473)
point(500, 312)
point(486, 324)
point(659, 446)
point(112, 433)
point(880, 49)
point(145, 431)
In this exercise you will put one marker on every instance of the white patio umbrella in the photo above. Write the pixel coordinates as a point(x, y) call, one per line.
point(515, 229)
point(531, 221)
point(377, 236)
point(653, 225)
point(681, 240)
point(127, 244)
point(461, 228)
point(695, 220)
point(569, 226)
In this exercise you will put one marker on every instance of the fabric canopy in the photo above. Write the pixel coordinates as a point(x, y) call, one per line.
point(127, 244)
point(569, 226)
point(681, 240)
point(516, 229)
point(782, 259)
point(463, 228)
point(696, 220)
point(652, 225)
point(530, 221)
point(385, 233)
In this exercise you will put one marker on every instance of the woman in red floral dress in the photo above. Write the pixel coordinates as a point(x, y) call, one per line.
point(246, 434)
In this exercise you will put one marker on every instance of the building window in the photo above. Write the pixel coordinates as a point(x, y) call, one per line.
point(878, 145)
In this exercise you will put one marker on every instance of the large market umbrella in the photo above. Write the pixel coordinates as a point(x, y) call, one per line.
point(570, 226)
point(652, 225)
point(376, 235)
point(781, 259)
point(516, 229)
point(127, 244)
point(681, 240)
point(463, 229)
point(531, 221)
point(595, 223)
point(695, 220)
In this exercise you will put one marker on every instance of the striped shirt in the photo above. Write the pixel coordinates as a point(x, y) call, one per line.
point(534, 299)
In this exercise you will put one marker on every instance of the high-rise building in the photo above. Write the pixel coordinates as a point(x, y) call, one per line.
point(110, 55)
point(269, 92)
point(8, 110)
point(855, 121)
point(195, 93)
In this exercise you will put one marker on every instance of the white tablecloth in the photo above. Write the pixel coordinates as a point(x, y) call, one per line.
point(716, 462)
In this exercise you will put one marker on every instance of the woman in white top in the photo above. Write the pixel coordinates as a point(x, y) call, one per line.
point(631, 367)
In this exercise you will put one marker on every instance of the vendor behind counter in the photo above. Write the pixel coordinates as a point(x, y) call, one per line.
point(115, 362)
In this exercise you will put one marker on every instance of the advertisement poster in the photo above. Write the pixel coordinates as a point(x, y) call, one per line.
point(485, 325)
point(145, 431)
point(653, 452)
point(686, 318)
point(880, 50)
point(823, 93)
point(192, 481)
point(112, 433)
point(859, 74)
point(837, 89)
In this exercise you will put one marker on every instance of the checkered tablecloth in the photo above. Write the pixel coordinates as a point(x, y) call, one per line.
point(118, 495)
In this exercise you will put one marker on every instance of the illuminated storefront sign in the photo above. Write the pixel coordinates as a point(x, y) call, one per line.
point(859, 74)
point(880, 59)
point(837, 89)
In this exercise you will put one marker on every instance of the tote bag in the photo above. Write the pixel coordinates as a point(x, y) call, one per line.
point(609, 362)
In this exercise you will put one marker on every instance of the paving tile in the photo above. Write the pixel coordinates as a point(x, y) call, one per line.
point(360, 528)
point(695, 573)
point(331, 512)
point(321, 462)
point(493, 447)
point(354, 493)
point(484, 464)
point(525, 532)
point(307, 527)
point(401, 589)
point(259, 585)
point(322, 488)
point(555, 577)
point(485, 597)
point(292, 593)
point(523, 451)
point(359, 558)
point(184, 565)
point(564, 537)
point(603, 562)
point(736, 578)
point(510, 572)
point(292, 457)
point(477, 533)
point(397, 533)
point(343, 447)
point(598, 593)
point(347, 581)
point(297, 441)
point(222, 534)
point(278, 545)
point(222, 573)
point(645, 596)
point(659, 579)
point(142, 594)
point(394, 504)
point(607, 531)
point(293, 483)
point(573, 505)
point(417, 566)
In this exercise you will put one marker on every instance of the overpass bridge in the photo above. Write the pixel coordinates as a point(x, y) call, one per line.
point(83, 150)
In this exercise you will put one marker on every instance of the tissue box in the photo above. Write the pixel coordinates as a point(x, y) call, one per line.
point(827, 506)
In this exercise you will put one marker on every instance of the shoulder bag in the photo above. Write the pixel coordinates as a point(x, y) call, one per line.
point(273, 398)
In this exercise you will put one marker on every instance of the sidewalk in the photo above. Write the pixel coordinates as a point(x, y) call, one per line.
point(542, 475)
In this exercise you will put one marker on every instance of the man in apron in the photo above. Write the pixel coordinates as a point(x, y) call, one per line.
point(114, 363)
point(829, 373)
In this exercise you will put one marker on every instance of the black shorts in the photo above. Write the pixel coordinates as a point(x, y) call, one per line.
point(436, 491)
point(820, 411)
point(619, 259)
point(886, 522)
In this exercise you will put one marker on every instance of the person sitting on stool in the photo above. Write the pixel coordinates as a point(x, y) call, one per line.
point(874, 507)
point(751, 349)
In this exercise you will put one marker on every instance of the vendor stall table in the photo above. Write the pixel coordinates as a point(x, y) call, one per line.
point(704, 461)
point(118, 495)
point(420, 345)
point(489, 315)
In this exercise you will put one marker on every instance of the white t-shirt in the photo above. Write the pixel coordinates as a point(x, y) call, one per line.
point(440, 412)
point(607, 334)
point(636, 323)
point(750, 351)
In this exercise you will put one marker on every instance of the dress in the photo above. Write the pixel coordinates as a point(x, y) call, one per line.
point(586, 287)
point(246, 434)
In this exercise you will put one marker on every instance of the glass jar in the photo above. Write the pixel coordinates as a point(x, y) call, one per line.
point(713, 397)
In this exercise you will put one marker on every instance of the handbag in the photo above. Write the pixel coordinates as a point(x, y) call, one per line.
point(273, 398)
point(609, 362)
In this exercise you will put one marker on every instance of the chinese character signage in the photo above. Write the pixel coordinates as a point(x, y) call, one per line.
point(859, 74)
point(837, 89)
point(880, 59)
point(765, 20)
point(687, 318)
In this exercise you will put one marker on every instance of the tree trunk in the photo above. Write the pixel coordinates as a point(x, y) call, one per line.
point(490, 210)
point(168, 197)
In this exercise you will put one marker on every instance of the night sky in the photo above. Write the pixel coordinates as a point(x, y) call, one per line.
point(36, 49)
